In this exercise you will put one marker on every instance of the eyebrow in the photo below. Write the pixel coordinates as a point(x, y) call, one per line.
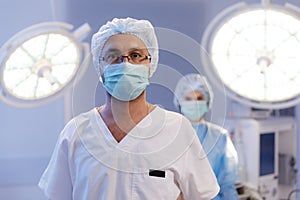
point(112, 50)
point(118, 50)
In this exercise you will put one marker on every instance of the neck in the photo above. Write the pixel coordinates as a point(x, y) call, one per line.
point(126, 111)
point(198, 120)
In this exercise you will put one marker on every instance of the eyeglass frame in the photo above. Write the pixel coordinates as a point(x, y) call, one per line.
point(120, 59)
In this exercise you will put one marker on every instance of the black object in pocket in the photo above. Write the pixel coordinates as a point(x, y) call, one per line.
point(157, 173)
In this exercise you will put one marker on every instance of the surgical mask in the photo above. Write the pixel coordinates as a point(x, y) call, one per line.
point(126, 81)
point(194, 110)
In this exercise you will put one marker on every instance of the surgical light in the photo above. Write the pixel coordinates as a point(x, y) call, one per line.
point(253, 52)
point(41, 62)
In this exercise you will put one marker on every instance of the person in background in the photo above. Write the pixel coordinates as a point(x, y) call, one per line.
point(193, 96)
point(128, 148)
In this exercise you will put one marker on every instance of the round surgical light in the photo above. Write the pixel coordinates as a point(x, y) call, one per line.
point(254, 52)
point(40, 62)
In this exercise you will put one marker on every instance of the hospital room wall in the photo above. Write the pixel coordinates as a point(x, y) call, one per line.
point(28, 135)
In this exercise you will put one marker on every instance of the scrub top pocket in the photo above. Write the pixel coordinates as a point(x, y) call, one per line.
point(162, 182)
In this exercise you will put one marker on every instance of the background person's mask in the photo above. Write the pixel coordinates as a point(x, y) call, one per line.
point(194, 110)
point(126, 81)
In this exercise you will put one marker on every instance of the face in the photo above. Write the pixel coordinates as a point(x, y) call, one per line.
point(194, 95)
point(124, 48)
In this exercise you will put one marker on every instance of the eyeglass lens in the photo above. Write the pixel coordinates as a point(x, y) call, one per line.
point(135, 57)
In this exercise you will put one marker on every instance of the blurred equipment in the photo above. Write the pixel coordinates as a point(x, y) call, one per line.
point(287, 170)
point(252, 55)
point(263, 146)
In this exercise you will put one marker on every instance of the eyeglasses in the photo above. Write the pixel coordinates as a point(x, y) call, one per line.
point(134, 57)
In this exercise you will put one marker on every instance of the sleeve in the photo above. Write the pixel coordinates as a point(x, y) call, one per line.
point(228, 171)
point(197, 179)
point(56, 180)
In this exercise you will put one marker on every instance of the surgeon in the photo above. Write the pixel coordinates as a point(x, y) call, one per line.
point(193, 96)
point(128, 148)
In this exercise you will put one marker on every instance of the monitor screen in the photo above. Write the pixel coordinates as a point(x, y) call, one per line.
point(267, 154)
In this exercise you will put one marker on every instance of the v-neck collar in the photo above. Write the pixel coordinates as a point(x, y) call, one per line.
point(146, 128)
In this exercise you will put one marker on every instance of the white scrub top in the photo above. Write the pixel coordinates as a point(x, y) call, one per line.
point(157, 159)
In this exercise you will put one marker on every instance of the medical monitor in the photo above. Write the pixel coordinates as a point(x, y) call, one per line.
point(267, 154)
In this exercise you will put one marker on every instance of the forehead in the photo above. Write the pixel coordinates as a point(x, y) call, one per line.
point(123, 43)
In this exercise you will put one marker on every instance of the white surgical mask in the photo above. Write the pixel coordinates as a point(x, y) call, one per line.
point(194, 110)
point(126, 81)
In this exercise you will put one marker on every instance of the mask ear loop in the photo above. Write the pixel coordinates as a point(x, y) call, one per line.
point(149, 74)
point(101, 70)
point(179, 106)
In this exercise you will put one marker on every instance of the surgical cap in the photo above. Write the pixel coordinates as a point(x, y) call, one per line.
point(142, 29)
point(190, 83)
